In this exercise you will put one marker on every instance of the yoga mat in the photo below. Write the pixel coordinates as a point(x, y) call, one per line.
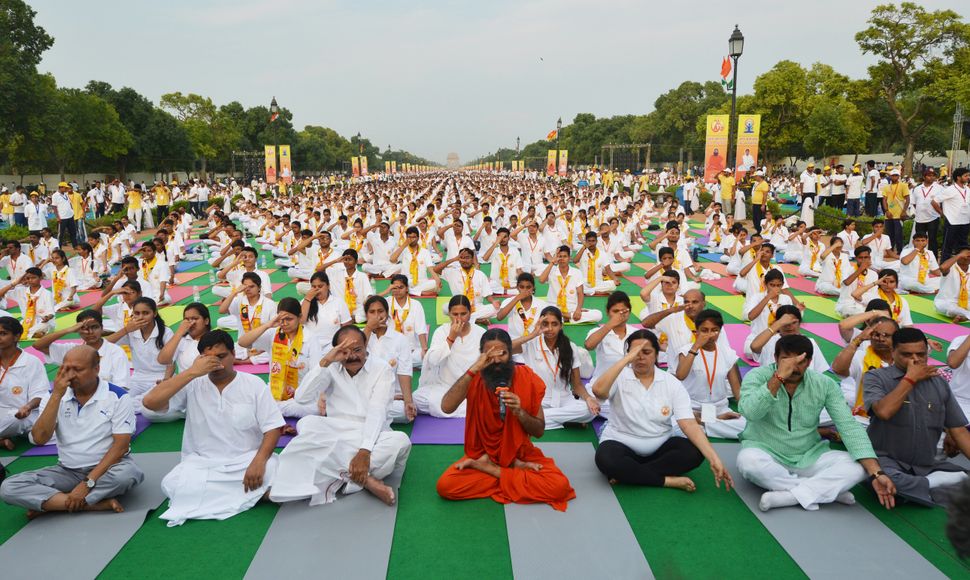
point(81, 545)
point(791, 269)
point(827, 330)
point(817, 540)
point(284, 440)
point(89, 299)
point(428, 430)
point(172, 314)
point(730, 304)
point(261, 369)
point(180, 292)
point(821, 305)
point(278, 286)
point(183, 266)
point(141, 424)
point(726, 284)
point(5, 461)
point(736, 335)
point(716, 267)
point(703, 241)
point(803, 285)
point(349, 538)
point(710, 257)
point(599, 424)
point(594, 521)
point(186, 277)
point(925, 307)
point(40, 356)
point(948, 331)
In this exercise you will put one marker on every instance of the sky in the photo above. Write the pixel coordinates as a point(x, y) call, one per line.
point(434, 77)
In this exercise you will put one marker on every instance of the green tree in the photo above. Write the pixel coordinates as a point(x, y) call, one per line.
point(165, 144)
point(211, 131)
point(21, 45)
point(673, 121)
point(918, 53)
point(835, 125)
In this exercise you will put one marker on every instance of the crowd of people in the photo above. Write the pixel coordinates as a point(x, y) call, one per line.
point(342, 356)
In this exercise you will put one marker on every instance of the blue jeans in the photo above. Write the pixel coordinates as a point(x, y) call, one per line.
point(853, 208)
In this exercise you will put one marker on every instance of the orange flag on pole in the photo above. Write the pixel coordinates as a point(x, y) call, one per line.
point(552, 135)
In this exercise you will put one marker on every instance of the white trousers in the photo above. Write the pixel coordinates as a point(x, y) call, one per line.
point(826, 288)
point(383, 269)
point(805, 270)
point(602, 288)
point(950, 308)
point(932, 285)
point(427, 399)
point(134, 216)
point(570, 410)
point(847, 309)
point(833, 473)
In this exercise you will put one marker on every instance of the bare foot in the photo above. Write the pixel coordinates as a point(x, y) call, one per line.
point(381, 490)
point(107, 505)
point(958, 319)
point(613, 482)
point(7, 444)
point(519, 464)
point(684, 483)
point(288, 430)
point(469, 462)
point(31, 514)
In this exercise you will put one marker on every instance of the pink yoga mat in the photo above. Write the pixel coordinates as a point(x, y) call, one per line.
point(179, 293)
point(261, 369)
point(944, 330)
point(716, 267)
point(803, 284)
point(278, 285)
point(827, 330)
point(726, 284)
point(40, 355)
point(736, 335)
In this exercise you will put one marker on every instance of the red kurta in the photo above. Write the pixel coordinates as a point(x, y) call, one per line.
point(504, 442)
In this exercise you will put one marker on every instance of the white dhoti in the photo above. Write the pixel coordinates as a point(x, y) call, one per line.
point(11, 426)
point(72, 302)
point(499, 288)
point(428, 286)
point(722, 428)
point(299, 274)
point(585, 363)
point(427, 399)
point(847, 309)
point(569, 410)
point(316, 463)
point(826, 288)
point(741, 285)
point(931, 286)
point(805, 270)
point(834, 472)
point(285, 262)
point(221, 290)
point(201, 489)
point(383, 269)
point(950, 308)
point(290, 408)
point(604, 287)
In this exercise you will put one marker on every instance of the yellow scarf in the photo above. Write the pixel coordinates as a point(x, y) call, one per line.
point(322, 257)
point(717, 235)
point(870, 361)
point(815, 250)
point(30, 313)
point(356, 242)
point(924, 267)
point(146, 267)
point(528, 317)
point(30, 252)
point(561, 297)
point(771, 313)
point(761, 274)
point(962, 299)
point(350, 294)
point(414, 266)
point(591, 266)
point(284, 376)
point(503, 269)
point(398, 315)
point(247, 323)
point(469, 292)
point(690, 325)
point(60, 282)
point(569, 230)
point(895, 305)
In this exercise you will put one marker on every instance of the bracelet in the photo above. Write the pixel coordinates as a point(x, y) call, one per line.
point(875, 476)
point(692, 352)
point(908, 380)
point(470, 374)
point(778, 378)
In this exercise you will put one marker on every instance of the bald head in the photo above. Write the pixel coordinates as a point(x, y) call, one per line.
point(83, 355)
point(694, 302)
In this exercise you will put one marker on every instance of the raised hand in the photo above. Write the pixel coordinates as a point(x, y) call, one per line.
point(787, 366)
point(205, 364)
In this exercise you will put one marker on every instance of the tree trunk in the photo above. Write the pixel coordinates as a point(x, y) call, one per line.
point(202, 171)
point(908, 159)
point(60, 170)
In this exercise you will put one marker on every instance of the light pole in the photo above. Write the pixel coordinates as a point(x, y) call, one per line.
point(274, 111)
point(735, 48)
point(558, 130)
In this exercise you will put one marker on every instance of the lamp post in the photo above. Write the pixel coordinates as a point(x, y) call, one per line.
point(558, 130)
point(274, 111)
point(735, 48)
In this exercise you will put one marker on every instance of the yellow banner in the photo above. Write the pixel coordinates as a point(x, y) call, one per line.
point(715, 146)
point(551, 163)
point(387, 167)
point(393, 166)
point(355, 166)
point(286, 167)
point(270, 153)
point(363, 165)
point(749, 130)
point(563, 161)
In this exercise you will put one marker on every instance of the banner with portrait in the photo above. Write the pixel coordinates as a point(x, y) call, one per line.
point(563, 161)
point(286, 166)
point(749, 129)
point(363, 165)
point(393, 166)
point(270, 153)
point(715, 147)
point(355, 166)
point(551, 163)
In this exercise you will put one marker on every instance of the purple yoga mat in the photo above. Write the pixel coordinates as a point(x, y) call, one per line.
point(285, 439)
point(598, 424)
point(141, 424)
point(430, 430)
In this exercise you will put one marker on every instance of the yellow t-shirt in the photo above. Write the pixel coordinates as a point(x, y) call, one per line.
point(134, 199)
point(77, 204)
point(759, 193)
point(162, 195)
point(895, 196)
point(727, 186)
point(5, 204)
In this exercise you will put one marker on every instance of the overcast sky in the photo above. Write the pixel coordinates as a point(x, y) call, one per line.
point(434, 77)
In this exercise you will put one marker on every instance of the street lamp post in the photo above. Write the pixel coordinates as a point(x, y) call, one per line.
point(558, 130)
point(274, 110)
point(735, 48)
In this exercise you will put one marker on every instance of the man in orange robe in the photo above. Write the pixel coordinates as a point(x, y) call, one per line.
point(500, 460)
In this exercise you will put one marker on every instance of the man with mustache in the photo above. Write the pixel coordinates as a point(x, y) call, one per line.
point(504, 409)
point(351, 446)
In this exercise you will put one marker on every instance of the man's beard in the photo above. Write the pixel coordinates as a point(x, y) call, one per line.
point(498, 374)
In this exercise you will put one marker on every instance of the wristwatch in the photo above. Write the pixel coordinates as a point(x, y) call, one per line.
point(876, 475)
point(91, 483)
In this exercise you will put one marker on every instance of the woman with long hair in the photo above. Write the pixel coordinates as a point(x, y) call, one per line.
point(248, 307)
point(638, 445)
point(183, 349)
point(322, 313)
point(548, 351)
point(145, 334)
point(454, 348)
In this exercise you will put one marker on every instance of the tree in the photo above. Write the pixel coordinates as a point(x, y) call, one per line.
point(166, 145)
point(210, 130)
point(918, 54)
point(835, 125)
point(673, 121)
point(135, 112)
point(69, 126)
point(321, 149)
point(21, 45)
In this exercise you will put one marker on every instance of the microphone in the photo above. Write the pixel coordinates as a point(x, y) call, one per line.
point(500, 388)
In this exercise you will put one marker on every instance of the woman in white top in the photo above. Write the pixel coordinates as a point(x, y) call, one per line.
point(117, 315)
point(183, 349)
point(638, 445)
point(761, 308)
point(607, 340)
point(145, 335)
point(454, 348)
point(248, 307)
point(408, 317)
point(548, 351)
point(322, 313)
point(63, 282)
point(710, 374)
point(85, 268)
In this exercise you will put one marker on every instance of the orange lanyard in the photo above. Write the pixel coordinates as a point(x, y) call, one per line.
point(554, 371)
point(709, 372)
point(7, 368)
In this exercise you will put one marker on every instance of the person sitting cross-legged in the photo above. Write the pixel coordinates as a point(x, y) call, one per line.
point(504, 410)
point(94, 425)
point(781, 449)
point(232, 425)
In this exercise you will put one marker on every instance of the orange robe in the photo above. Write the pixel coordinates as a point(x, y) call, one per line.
point(505, 442)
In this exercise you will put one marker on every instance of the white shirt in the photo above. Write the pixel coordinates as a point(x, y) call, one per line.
point(911, 270)
point(522, 320)
point(960, 381)
point(572, 282)
point(544, 361)
point(424, 261)
point(394, 349)
point(256, 314)
point(807, 182)
point(36, 216)
point(117, 193)
point(228, 425)
point(331, 315)
point(610, 349)
point(955, 203)
point(641, 418)
point(65, 209)
point(854, 186)
point(949, 292)
point(24, 381)
point(845, 291)
point(444, 363)
point(872, 181)
point(456, 278)
point(513, 265)
point(308, 357)
point(144, 352)
point(84, 434)
point(114, 362)
point(719, 362)
point(921, 200)
point(363, 398)
point(675, 327)
point(410, 315)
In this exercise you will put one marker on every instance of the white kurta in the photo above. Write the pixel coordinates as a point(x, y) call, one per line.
point(316, 462)
point(223, 432)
